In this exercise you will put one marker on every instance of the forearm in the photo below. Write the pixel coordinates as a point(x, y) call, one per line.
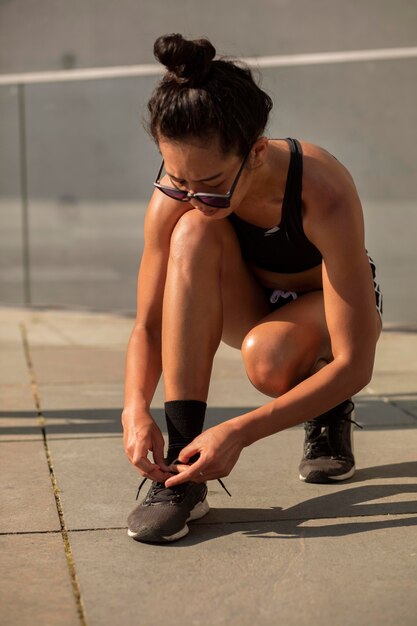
point(143, 370)
point(320, 392)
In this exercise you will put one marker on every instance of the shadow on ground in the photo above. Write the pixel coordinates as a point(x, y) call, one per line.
point(108, 421)
point(326, 515)
point(320, 516)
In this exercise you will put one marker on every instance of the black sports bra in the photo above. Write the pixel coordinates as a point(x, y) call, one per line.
point(284, 248)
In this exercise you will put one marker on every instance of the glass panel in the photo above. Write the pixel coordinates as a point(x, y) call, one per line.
point(91, 170)
point(364, 113)
point(91, 167)
point(11, 258)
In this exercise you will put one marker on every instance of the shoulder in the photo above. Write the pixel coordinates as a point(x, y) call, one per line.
point(330, 200)
point(327, 183)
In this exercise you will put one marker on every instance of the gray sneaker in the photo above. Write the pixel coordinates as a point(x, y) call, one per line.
point(163, 515)
point(328, 446)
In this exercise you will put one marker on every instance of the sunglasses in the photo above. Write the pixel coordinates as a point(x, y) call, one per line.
point(215, 200)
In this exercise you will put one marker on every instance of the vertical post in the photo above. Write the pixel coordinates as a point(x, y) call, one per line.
point(27, 296)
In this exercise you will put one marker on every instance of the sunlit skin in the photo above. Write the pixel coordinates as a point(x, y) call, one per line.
point(194, 290)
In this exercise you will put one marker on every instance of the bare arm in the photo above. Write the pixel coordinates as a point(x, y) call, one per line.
point(143, 358)
point(334, 223)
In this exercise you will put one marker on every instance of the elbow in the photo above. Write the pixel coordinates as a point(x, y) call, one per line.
point(147, 333)
point(359, 373)
point(362, 380)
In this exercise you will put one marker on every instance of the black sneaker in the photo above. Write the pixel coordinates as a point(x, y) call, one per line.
point(328, 446)
point(163, 515)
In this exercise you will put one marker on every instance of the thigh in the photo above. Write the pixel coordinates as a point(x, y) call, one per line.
point(287, 344)
point(244, 299)
point(306, 311)
point(292, 339)
point(304, 322)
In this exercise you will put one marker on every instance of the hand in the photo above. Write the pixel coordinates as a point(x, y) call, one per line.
point(140, 436)
point(219, 449)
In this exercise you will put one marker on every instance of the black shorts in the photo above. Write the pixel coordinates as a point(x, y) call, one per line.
point(278, 298)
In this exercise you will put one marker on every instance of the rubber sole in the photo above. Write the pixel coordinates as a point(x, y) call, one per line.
point(322, 477)
point(150, 536)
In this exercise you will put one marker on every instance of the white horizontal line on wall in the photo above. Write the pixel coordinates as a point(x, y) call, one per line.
point(154, 69)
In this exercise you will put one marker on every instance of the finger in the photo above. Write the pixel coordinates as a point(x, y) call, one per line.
point(179, 467)
point(144, 464)
point(141, 449)
point(151, 470)
point(188, 452)
point(158, 457)
point(159, 476)
point(194, 473)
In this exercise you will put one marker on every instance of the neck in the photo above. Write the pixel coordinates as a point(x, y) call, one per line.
point(262, 201)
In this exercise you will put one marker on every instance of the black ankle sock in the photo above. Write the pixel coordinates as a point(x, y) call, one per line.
point(185, 419)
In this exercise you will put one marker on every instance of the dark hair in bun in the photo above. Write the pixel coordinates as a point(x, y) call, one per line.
point(187, 62)
point(202, 98)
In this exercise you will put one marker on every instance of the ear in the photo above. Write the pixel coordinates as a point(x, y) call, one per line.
point(259, 152)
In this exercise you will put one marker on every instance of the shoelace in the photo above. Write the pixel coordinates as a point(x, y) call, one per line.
point(347, 419)
point(167, 493)
point(160, 493)
point(320, 445)
point(326, 422)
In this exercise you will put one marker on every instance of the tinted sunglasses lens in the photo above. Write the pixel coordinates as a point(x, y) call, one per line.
point(215, 202)
point(176, 194)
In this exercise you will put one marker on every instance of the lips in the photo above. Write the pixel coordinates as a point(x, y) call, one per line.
point(209, 212)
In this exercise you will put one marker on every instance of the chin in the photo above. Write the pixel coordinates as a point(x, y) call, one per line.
point(216, 214)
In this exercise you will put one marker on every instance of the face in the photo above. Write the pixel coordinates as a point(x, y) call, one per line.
point(205, 169)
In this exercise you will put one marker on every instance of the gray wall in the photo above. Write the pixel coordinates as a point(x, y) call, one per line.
point(91, 165)
point(42, 34)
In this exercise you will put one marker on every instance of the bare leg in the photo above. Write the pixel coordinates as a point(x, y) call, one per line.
point(288, 346)
point(209, 294)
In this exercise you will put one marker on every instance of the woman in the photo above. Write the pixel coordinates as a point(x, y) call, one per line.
point(256, 242)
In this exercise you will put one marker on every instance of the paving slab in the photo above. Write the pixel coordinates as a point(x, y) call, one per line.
point(82, 410)
point(27, 499)
point(67, 396)
point(13, 367)
point(91, 409)
point(374, 412)
point(229, 383)
point(397, 351)
point(84, 423)
point(343, 572)
point(407, 403)
point(395, 382)
point(18, 417)
point(51, 328)
point(36, 585)
point(10, 332)
point(40, 333)
point(78, 364)
point(357, 536)
point(98, 485)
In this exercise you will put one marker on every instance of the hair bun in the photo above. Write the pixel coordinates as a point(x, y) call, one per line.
point(187, 61)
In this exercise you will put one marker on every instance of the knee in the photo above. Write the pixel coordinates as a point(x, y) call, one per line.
point(266, 366)
point(278, 358)
point(189, 234)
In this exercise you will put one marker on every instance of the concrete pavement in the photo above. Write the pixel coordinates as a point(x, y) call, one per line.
point(277, 551)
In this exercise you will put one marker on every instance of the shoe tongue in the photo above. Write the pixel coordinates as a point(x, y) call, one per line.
point(160, 493)
point(319, 445)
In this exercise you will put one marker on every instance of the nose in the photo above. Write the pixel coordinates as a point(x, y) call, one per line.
point(195, 203)
point(191, 197)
